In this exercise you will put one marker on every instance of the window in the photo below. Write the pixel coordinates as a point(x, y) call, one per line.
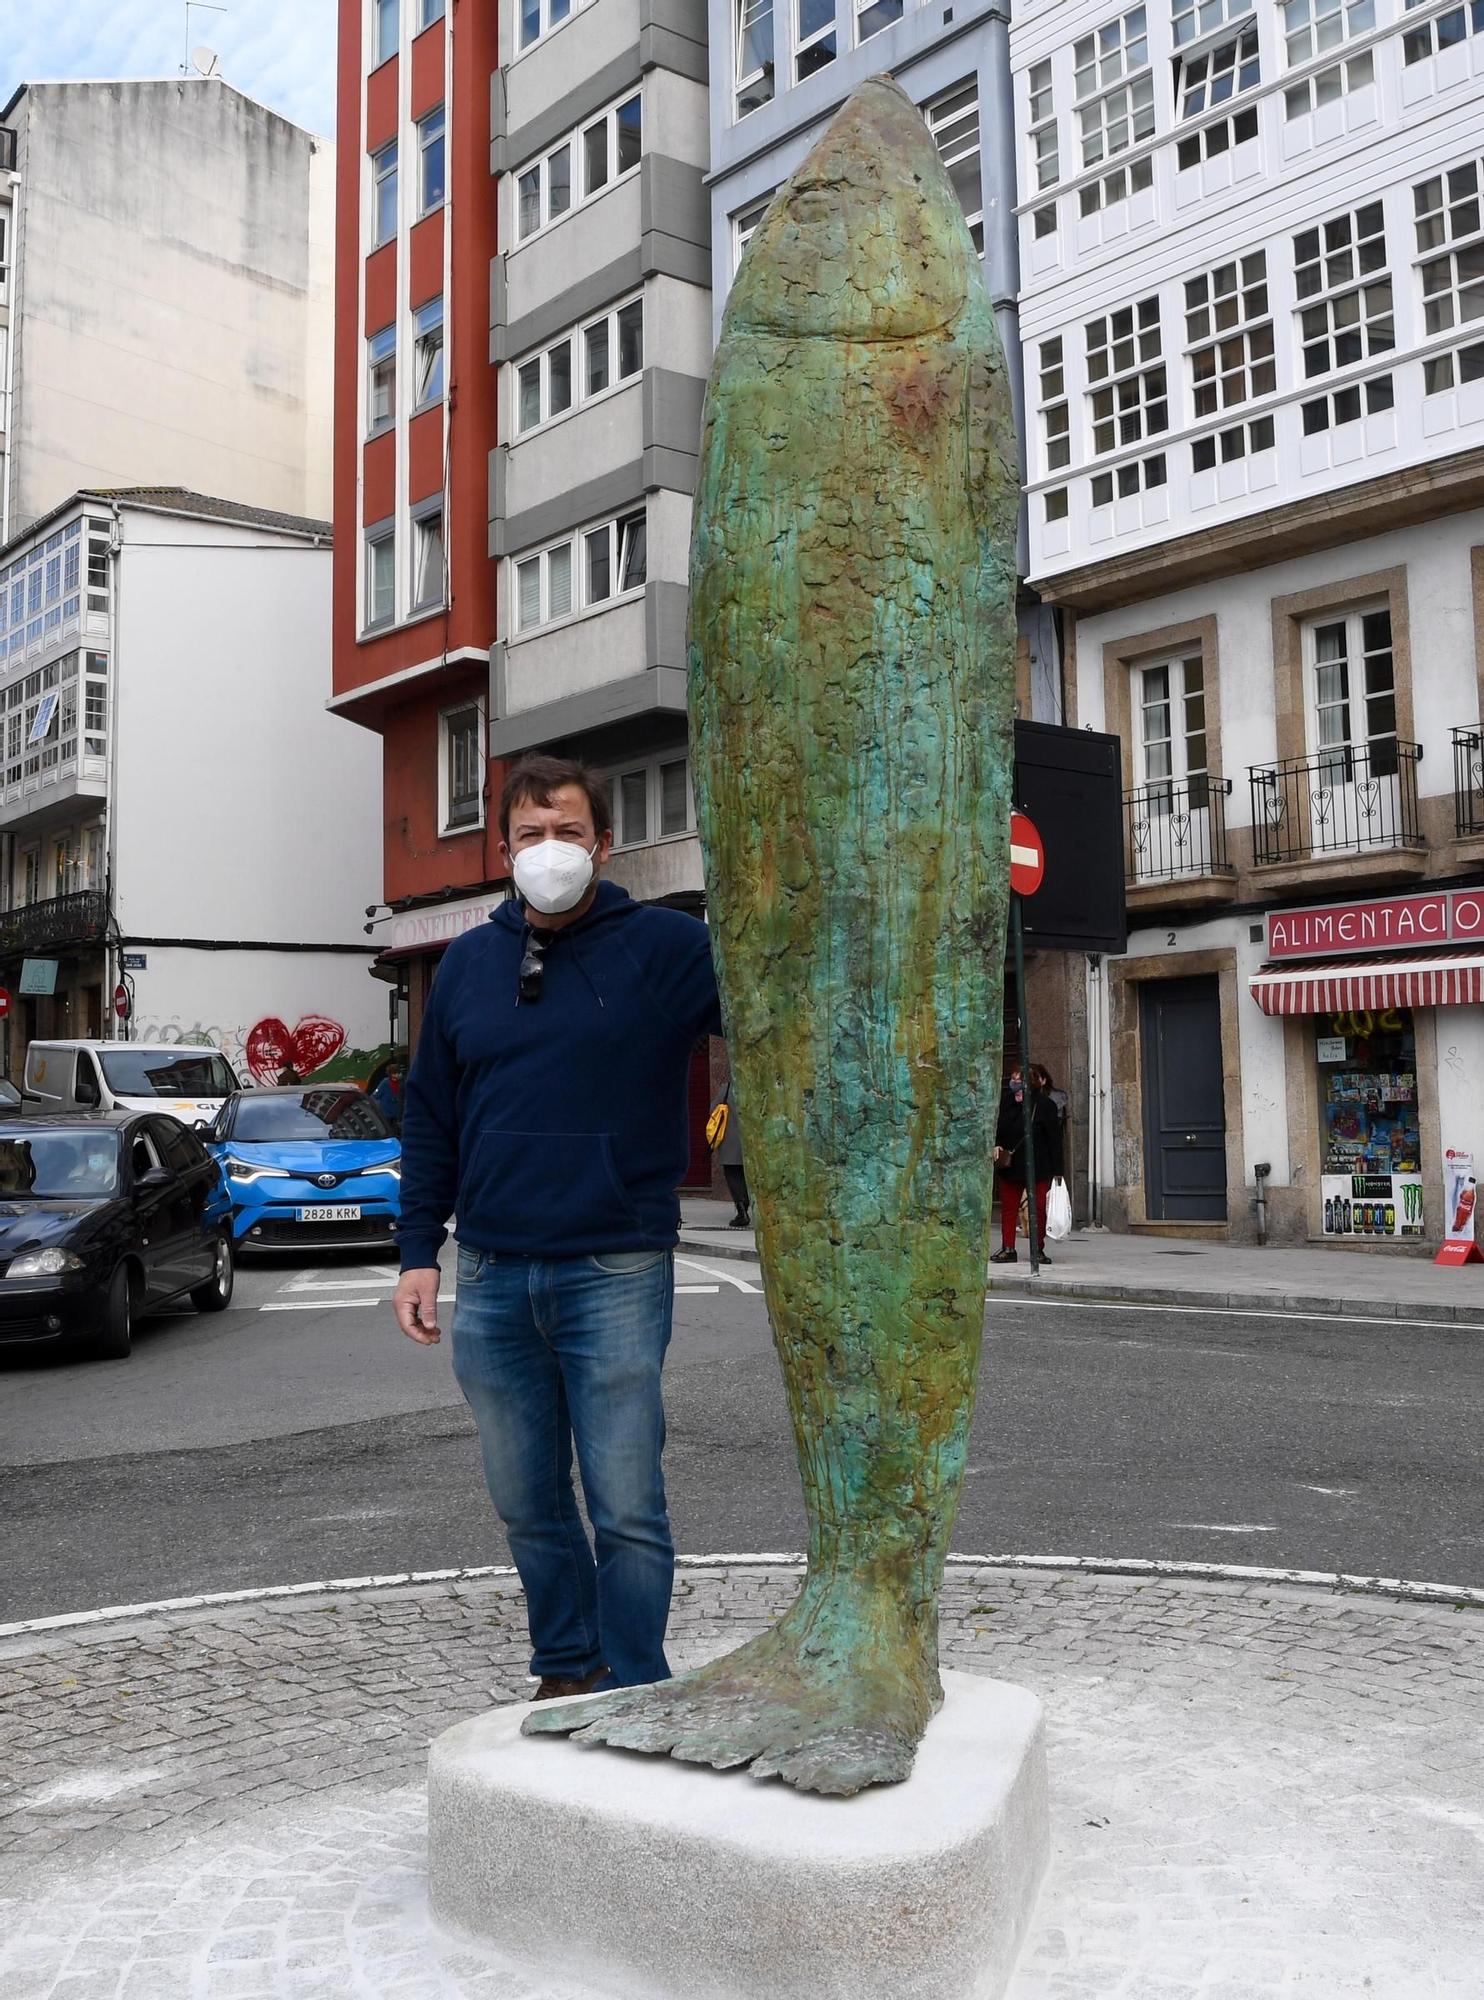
point(1447, 371)
point(427, 559)
point(1352, 682)
point(384, 193)
point(953, 120)
point(607, 148)
point(1128, 401)
point(814, 42)
point(1043, 221)
point(381, 577)
point(652, 801)
point(754, 54)
point(1312, 27)
point(543, 587)
point(1348, 405)
point(1055, 504)
point(744, 223)
point(428, 12)
point(31, 875)
point(1193, 18)
point(430, 177)
point(1328, 86)
point(1444, 31)
point(1228, 336)
point(1172, 730)
point(427, 353)
point(612, 350)
point(1138, 476)
point(1354, 321)
point(1118, 55)
point(539, 17)
point(871, 16)
point(1056, 428)
point(1447, 211)
point(1216, 75)
point(381, 378)
point(1117, 186)
point(95, 706)
point(98, 540)
point(387, 28)
point(613, 561)
point(463, 769)
point(1212, 140)
point(1043, 125)
point(1240, 441)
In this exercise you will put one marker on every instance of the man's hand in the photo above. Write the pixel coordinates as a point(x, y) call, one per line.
point(415, 1303)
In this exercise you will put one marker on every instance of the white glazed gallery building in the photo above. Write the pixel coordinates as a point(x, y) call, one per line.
point(1252, 310)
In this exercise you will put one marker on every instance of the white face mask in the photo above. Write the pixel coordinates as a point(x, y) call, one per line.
point(553, 875)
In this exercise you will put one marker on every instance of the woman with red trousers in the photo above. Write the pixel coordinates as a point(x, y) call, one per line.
point(1009, 1154)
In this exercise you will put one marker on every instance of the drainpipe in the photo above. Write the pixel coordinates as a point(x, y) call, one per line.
point(1260, 1199)
point(1094, 1089)
point(112, 974)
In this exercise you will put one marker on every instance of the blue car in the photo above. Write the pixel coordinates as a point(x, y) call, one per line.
point(310, 1167)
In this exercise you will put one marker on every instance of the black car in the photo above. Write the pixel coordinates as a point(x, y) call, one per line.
point(104, 1216)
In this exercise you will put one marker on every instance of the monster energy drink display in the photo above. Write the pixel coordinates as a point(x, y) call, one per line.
point(1372, 1165)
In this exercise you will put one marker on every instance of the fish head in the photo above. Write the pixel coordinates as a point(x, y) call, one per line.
point(867, 239)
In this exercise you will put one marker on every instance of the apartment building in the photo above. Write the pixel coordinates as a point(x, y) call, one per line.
point(165, 296)
point(176, 819)
point(1252, 247)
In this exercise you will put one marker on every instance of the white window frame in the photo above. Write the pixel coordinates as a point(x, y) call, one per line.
point(428, 537)
point(1113, 52)
point(384, 173)
point(1328, 86)
point(953, 119)
point(1347, 405)
point(1220, 136)
point(649, 769)
point(549, 16)
point(447, 719)
point(1212, 326)
point(1117, 120)
point(1114, 87)
point(432, 142)
point(1357, 698)
point(753, 29)
point(428, 356)
point(574, 145)
point(744, 225)
point(1313, 28)
point(1054, 404)
point(1110, 189)
point(1453, 367)
point(382, 536)
point(381, 355)
point(430, 11)
point(1217, 74)
point(1177, 701)
point(572, 552)
point(575, 344)
point(1192, 21)
point(1041, 125)
point(1244, 440)
point(1448, 217)
point(1128, 390)
point(815, 48)
point(1443, 31)
point(383, 11)
point(1132, 477)
point(891, 12)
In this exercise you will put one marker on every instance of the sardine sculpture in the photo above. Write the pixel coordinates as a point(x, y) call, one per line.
point(851, 661)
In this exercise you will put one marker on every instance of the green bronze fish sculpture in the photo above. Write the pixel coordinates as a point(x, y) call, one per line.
point(851, 663)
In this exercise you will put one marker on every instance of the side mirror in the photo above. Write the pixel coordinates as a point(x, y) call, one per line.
point(201, 1125)
point(154, 1177)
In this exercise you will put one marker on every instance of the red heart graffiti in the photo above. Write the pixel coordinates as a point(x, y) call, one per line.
point(309, 1046)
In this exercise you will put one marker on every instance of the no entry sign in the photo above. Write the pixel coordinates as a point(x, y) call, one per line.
point(121, 1002)
point(1027, 856)
point(4, 1002)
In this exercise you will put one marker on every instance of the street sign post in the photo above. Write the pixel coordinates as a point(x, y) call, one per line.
point(1027, 870)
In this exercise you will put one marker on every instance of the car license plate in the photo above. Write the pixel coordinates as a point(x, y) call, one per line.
point(332, 1212)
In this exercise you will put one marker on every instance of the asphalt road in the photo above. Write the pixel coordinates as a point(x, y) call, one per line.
point(299, 1436)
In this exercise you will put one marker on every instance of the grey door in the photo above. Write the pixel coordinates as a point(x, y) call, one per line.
point(1184, 1116)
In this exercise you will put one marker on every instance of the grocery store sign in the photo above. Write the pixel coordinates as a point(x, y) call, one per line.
point(1392, 923)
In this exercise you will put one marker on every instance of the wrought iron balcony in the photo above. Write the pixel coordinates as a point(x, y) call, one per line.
point(1176, 828)
point(81, 918)
point(1468, 781)
point(1351, 799)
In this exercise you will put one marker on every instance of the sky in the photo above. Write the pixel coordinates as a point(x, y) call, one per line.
point(281, 52)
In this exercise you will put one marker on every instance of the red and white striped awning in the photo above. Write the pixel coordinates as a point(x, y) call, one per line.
point(1338, 985)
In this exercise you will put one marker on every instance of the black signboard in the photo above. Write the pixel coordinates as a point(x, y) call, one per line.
point(1070, 783)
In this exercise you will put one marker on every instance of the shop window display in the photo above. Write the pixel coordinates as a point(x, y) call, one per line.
point(1369, 1131)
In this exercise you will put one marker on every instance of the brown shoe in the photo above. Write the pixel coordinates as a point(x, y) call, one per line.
point(554, 1687)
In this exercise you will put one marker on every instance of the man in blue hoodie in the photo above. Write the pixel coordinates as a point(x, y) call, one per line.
point(546, 1110)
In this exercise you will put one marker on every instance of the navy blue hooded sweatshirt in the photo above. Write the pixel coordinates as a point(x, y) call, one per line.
point(557, 1128)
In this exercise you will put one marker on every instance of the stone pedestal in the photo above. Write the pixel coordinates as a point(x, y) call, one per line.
point(635, 1875)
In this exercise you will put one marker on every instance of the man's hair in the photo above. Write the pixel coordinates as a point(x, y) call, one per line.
point(534, 779)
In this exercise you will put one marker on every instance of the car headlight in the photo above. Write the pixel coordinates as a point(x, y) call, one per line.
point(250, 1170)
point(43, 1264)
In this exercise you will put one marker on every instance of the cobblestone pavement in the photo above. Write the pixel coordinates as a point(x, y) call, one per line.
point(1256, 1790)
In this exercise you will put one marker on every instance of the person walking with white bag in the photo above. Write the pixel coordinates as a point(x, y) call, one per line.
point(1038, 1105)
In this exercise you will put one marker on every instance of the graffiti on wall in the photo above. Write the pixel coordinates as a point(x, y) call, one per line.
point(314, 1046)
point(271, 1047)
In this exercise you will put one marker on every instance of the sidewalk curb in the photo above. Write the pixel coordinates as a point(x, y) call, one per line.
point(1309, 1304)
point(741, 1253)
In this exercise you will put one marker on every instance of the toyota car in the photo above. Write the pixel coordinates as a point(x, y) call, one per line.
point(308, 1167)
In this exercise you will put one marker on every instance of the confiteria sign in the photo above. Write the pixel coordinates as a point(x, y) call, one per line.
point(1395, 923)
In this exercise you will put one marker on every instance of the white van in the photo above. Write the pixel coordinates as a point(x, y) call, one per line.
point(188, 1082)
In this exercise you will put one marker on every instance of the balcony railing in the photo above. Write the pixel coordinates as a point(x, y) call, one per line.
point(1351, 799)
point(1468, 781)
point(81, 918)
point(1176, 828)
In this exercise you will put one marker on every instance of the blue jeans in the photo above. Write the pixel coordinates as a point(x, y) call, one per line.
point(552, 1353)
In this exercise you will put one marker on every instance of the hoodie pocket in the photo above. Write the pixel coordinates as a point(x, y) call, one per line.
point(545, 1193)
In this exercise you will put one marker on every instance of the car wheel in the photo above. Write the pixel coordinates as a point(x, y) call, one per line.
point(117, 1337)
point(216, 1294)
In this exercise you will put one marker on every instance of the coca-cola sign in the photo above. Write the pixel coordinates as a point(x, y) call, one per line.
point(1389, 923)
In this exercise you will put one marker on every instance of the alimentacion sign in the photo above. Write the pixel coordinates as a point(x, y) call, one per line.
point(1390, 923)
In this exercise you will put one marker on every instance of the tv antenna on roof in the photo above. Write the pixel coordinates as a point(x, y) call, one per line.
point(202, 60)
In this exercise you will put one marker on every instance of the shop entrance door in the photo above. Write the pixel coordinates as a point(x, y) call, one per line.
point(1184, 1114)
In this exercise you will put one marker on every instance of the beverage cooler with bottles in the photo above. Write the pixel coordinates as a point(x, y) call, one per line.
point(1370, 1137)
